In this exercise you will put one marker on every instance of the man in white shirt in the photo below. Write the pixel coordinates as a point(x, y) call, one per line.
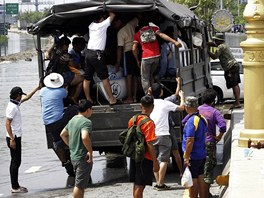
point(14, 134)
point(160, 116)
point(95, 57)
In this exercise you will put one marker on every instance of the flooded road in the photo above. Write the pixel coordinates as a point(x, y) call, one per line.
point(40, 169)
point(19, 42)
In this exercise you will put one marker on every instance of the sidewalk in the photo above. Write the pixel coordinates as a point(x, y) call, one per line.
point(246, 173)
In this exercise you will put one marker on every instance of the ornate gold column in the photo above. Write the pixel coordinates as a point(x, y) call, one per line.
point(253, 73)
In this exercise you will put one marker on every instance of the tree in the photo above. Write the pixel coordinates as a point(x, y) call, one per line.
point(206, 8)
point(32, 16)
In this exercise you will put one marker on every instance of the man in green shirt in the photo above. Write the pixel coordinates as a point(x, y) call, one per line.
point(229, 65)
point(76, 135)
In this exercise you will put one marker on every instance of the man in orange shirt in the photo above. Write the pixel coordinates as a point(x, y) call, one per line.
point(141, 173)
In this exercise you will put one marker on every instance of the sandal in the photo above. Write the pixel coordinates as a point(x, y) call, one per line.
point(19, 190)
point(235, 107)
point(116, 103)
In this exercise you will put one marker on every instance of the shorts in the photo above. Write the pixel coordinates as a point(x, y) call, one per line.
point(82, 171)
point(68, 77)
point(131, 67)
point(56, 127)
point(232, 76)
point(141, 173)
point(197, 167)
point(162, 147)
point(95, 62)
point(210, 162)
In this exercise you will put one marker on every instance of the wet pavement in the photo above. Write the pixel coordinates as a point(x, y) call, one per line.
point(41, 171)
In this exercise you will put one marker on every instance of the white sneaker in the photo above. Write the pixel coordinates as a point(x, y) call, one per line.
point(19, 190)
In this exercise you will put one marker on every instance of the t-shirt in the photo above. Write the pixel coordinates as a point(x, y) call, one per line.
point(126, 34)
point(160, 115)
point(225, 56)
point(98, 34)
point(52, 104)
point(151, 49)
point(74, 127)
point(13, 112)
point(148, 130)
point(214, 118)
point(195, 128)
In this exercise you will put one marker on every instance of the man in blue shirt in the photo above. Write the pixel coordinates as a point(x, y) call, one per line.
point(193, 146)
point(55, 117)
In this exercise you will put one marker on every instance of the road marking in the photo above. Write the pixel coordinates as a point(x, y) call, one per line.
point(1, 195)
point(33, 169)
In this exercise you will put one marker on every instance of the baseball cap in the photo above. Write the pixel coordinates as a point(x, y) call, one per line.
point(191, 102)
point(15, 91)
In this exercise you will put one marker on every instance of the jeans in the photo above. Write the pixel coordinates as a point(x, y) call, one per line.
point(15, 161)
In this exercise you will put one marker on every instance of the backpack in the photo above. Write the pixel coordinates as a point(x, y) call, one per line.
point(148, 35)
point(133, 140)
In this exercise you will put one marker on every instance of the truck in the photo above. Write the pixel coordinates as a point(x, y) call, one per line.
point(74, 18)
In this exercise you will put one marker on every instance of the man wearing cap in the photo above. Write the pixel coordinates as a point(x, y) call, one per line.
point(14, 133)
point(193, 146)
point(54, 116)
point(229, 65)
point(160, 116)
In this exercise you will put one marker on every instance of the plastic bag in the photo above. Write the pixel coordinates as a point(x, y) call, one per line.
point(186, 179)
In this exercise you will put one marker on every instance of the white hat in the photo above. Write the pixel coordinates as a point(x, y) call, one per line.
point(53, 80)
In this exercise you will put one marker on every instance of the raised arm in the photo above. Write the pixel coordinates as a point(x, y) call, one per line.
point(28, 96)
point(167, 38)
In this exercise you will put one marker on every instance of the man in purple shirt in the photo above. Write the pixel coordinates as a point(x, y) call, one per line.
point(214, 118)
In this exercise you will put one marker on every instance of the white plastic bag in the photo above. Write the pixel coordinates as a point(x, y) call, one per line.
point(186, 179)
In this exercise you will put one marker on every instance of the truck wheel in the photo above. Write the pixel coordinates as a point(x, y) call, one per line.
point(219, 95)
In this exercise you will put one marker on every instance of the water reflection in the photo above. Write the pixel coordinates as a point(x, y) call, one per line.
point(18, 42)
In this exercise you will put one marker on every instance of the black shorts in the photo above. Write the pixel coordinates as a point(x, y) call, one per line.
point(232, 76)
point(141, 173)
point(197, 167)
point(95, 62)
point(56, 127)
point(131, 67)
point(68, 77)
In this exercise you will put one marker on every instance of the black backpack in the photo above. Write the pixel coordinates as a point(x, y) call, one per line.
point(133, 140)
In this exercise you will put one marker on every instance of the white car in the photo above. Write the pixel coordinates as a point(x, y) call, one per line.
point(219, 83)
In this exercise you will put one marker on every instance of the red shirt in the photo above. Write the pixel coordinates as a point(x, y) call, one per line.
point(148, 130)
point(151, 49)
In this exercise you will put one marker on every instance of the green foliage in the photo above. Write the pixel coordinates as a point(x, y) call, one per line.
point(32, 16)
point(206, 8)
point(3, 39)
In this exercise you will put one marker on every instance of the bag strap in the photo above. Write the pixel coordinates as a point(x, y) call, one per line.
point(141, 122)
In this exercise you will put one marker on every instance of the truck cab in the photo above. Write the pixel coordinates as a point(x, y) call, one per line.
point(192, 64)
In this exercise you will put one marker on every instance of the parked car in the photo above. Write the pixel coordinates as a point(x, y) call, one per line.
point(219, 83)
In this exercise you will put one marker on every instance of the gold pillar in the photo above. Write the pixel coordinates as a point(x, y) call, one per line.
point(253, 74)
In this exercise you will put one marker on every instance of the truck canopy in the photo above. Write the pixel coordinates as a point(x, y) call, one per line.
point(68, 18)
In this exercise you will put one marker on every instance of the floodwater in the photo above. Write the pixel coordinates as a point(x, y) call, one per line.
point(40, 169)
point(18, 42)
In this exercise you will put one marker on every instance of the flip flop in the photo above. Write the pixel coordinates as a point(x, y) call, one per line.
point(116, 103)
point(235, 107)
